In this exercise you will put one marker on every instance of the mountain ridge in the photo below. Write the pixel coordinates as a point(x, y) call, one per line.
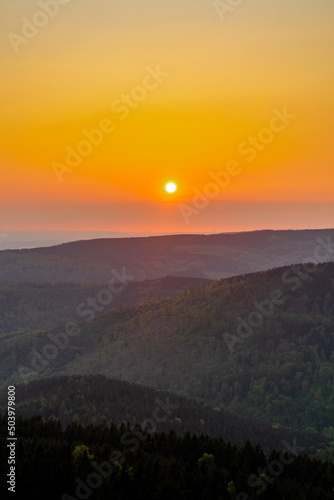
point(206, 256)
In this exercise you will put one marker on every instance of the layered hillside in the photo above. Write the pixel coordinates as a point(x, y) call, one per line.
point(260, 345)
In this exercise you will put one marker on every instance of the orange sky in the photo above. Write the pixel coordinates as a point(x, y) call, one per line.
point(178, 94)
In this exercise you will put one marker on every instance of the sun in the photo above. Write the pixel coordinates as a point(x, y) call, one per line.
point(170, 187)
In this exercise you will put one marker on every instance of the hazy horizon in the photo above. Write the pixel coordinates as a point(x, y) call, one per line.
point(17, 240)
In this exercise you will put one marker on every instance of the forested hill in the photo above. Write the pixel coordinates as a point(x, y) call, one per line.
point(101, 462)
point(96, 399)
point(206, 256)
point(260, 345)
point(41, 306)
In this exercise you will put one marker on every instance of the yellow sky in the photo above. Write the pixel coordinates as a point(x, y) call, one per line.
point(199, 88)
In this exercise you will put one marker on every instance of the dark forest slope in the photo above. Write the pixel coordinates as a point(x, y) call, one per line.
point(94, 399)
point(101, 462)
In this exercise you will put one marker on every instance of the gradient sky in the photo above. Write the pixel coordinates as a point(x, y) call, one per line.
point(225, 78)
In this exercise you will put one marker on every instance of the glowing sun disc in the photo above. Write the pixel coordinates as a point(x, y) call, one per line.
point(170, 187)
